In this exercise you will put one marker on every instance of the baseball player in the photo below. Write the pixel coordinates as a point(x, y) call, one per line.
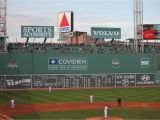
point(119, 101)
point(91, 98)
point(12, 103)
point(106, 111)
point(49, 89)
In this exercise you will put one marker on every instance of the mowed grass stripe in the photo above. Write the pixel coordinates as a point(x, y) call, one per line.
point(101, 95)
point(127, 114)
point(41, 96)
point(19, 96)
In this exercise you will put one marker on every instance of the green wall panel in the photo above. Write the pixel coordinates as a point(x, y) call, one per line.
point(94, 63)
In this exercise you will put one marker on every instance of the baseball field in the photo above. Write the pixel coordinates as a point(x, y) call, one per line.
point(137, 103)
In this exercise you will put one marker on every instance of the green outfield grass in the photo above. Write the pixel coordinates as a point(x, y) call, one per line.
point(127, 114)
point(101, 95)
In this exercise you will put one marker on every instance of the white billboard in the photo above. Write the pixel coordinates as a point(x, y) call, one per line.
point(65, 22)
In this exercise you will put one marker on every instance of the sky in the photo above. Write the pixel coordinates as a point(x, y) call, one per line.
point(87, 14)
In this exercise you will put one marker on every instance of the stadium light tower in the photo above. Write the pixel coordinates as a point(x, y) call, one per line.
point(138, 26)
point(3, 25)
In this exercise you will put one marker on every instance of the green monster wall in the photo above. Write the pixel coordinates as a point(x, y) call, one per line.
point(157, 75)
point(17, 64)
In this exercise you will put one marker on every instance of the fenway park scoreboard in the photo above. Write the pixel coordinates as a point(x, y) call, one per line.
point(82, 70)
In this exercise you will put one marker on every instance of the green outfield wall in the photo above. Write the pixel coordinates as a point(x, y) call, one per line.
point(13, 64)
point(157, 75)
point(78, 70)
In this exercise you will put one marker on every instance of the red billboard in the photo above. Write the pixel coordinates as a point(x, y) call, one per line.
point(151, 31)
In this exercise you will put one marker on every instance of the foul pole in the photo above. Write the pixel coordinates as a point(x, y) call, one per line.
point(138, 26)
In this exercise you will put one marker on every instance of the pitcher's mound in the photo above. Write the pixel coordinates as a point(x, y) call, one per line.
point(102, 118)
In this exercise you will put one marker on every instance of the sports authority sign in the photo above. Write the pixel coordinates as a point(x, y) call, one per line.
point(107, 33)
point(65, 21)
point(37, 31)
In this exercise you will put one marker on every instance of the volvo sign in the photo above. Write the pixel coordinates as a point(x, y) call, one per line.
point(107, 33)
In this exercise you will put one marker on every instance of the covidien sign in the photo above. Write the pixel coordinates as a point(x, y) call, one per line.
point(68, 63)
point(107, 33)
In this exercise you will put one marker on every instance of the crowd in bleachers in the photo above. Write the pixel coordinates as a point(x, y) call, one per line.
point(152, 48)
point(115, 47)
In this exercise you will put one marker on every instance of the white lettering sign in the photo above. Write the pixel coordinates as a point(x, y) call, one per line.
point(111, 33)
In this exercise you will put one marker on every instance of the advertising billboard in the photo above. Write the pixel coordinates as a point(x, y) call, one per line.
point(37, 31)
point(145, 79)
point(68, 63)
point(107, 33)
point(65, 21)
point(125, 79)
point(151, 31)
point(13, 82)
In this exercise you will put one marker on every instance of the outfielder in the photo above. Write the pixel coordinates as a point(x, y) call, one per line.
point(106, 111)
point(49, 89)
point(91, 98)
point(12, 103)
point(119, 101)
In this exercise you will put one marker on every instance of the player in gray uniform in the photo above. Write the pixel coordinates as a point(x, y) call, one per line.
point(49, 89)
point(12, 103)
point(91, 98)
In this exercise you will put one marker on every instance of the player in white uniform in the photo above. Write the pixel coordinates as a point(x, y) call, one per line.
point(49, 89)
point(106, 111)
point(91, 98)
point(12, 103)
